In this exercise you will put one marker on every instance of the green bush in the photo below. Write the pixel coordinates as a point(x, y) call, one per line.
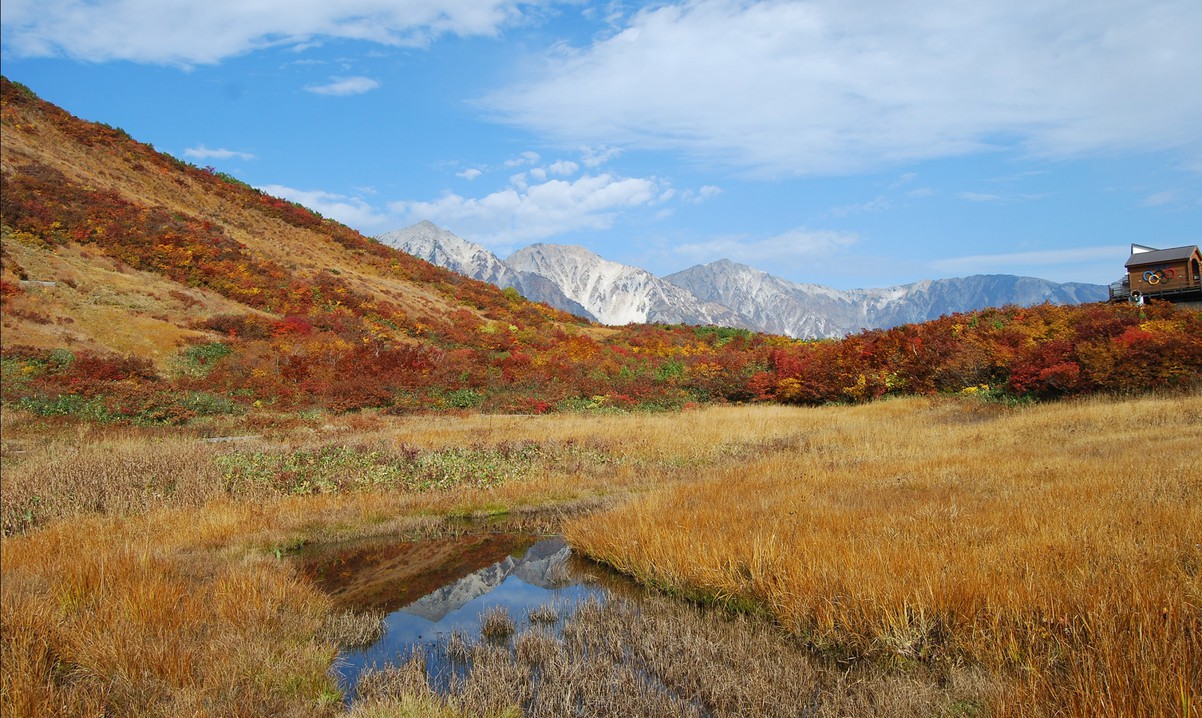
point(199, 359)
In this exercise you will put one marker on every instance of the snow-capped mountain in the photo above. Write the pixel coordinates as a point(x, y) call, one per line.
point(779, 306)
point(774, 305)
point(617, 293)
point(445, 249)
point(722, 293)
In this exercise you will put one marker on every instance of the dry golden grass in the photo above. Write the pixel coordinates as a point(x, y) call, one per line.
point(126, 617)
point(54, 470)
point(152, 592)
point(648, 655)
point(101, 305)
point(1055, 545)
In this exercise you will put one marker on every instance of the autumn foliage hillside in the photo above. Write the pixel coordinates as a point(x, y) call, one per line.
point(136, 286)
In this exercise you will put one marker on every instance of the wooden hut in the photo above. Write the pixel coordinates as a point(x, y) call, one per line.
point(1172, 274)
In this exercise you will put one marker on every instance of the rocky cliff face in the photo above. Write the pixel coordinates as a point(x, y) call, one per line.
point(722, 293)
point(617, 293)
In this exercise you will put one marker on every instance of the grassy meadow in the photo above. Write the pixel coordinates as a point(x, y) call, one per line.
point(1057, 546)
point(1032, 560)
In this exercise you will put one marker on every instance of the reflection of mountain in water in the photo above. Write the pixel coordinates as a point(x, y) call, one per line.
point(542, 566)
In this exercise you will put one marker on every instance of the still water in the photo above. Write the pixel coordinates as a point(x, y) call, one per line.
point(454, 594)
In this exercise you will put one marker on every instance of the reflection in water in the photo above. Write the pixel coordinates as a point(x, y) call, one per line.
point(540, 576)
point(609, 649)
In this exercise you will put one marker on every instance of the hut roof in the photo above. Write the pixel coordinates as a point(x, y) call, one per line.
point(1160, 256)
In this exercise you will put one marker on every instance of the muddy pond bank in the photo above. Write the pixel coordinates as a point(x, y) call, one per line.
point(488, 622)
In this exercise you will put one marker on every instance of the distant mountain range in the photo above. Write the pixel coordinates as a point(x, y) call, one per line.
point(722, 293)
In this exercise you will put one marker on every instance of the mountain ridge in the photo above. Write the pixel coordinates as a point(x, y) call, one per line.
point(724, 292)
point(442, 248)
point(617, 293)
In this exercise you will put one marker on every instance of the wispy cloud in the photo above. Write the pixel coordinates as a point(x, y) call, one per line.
point(182, 32)
point(529, 212)
point(701, 194)
point(523, 160)
point(200, 152)
point(896, 192)
point(343, 86)
point(1160, 199)
point(597, 156)
point(830, 87)
point(539, 170)
point(880, 203)
point(784, 253)
point(980, 197)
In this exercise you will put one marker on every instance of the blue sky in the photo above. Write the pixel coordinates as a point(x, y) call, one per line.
point(858, 144)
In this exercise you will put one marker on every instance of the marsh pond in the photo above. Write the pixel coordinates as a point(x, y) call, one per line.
point(513, 624)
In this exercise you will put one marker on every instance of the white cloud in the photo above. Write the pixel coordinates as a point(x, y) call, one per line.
point(351, 211)
point(703, 194)
point(201, 152)
point(530, 212)
point(187, 32)
point(597, 156)
point(563, 168)
point(827, 86)
point(535, 171)
point(523, 160)
point(343, 86)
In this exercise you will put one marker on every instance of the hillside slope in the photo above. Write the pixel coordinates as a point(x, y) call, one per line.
point(110, 245)
point(136, 287)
